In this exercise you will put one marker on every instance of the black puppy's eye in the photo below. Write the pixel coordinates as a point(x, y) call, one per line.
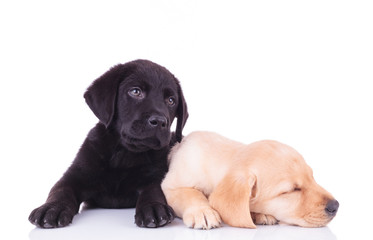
point(170, 101)
point(136, 92)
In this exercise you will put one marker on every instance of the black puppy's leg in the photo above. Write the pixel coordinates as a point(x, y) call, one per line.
point(152, 209)
point(59, 209)
point(67, 194)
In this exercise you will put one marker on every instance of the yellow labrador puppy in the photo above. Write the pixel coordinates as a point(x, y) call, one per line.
point(212, 178)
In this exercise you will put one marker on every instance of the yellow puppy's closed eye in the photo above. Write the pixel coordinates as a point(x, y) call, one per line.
point(295, 189)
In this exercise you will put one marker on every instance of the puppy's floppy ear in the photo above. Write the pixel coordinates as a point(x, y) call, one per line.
point(231, 198)
point(101, 95)
point(182, 113)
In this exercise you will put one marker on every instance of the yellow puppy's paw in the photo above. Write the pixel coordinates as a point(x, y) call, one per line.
point(201, 217)
point(262, 219)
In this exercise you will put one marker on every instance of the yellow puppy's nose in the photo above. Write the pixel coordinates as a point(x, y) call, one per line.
point(332, 207)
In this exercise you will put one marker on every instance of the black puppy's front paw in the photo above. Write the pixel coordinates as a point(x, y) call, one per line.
point(51, 215)
point(154, 215)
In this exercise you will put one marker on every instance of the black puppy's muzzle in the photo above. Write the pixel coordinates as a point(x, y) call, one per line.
point(149, 132)
point(158, 121)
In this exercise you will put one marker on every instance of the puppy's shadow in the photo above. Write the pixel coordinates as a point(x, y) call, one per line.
point(92, 224)
point(110, 224)
point(118, 224)
point(276, 232)
point(293, 233)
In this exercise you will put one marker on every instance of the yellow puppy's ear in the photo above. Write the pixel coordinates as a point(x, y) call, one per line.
point(231, 198)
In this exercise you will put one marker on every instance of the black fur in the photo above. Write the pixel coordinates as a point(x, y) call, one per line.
point(124, 157)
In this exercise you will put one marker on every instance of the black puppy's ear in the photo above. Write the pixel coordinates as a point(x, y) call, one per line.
point(182, 114)
point(101, 95)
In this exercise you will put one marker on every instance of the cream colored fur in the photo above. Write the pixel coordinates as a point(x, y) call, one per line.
point(213, 179)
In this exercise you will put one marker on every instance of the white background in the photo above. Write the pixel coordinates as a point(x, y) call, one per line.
point(295, 71)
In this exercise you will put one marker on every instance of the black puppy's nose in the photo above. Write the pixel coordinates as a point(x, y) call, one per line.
point(158, 121)
point(332, 207)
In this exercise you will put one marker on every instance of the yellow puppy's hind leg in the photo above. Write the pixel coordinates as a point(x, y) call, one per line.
point(263, 219)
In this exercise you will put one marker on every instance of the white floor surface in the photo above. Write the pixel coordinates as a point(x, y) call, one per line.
point(119, 224)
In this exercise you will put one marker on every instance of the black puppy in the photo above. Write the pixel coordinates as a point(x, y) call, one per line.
point(124, 157)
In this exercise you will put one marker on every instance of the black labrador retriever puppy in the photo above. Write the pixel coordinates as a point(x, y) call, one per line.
point(124, 157)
